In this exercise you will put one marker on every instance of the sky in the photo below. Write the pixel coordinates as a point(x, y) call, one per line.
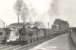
point(66, 11)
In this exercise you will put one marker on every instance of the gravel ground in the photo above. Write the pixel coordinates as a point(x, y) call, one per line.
point(26, 47)
point(58, 43)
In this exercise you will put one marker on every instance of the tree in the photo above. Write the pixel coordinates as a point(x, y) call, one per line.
point(21, 9)
point(18, 6)
point(24, 13)
point(53, 11)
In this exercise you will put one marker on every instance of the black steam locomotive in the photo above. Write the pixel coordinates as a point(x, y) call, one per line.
point(22, 35)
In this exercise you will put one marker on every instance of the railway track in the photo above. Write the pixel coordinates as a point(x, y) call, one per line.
point(12, 47)
point(9, 47)
point(4, 46)
point(24, 47)
point(17, 47)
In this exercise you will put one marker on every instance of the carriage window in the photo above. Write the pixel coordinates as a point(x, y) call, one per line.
point(0, 33)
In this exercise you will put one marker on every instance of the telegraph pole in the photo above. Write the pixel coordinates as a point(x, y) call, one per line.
point(48, 25)
point(18, 19)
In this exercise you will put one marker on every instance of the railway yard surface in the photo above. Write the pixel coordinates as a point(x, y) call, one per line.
point(25, 47)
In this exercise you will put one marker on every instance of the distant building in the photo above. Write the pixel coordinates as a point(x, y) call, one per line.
point(60, 26)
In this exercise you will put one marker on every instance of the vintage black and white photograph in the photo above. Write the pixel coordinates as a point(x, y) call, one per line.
point(37, 24)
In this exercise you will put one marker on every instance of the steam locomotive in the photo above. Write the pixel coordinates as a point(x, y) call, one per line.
point(22, 35)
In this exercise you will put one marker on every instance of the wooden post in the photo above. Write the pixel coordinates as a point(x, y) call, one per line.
point(18, 19)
